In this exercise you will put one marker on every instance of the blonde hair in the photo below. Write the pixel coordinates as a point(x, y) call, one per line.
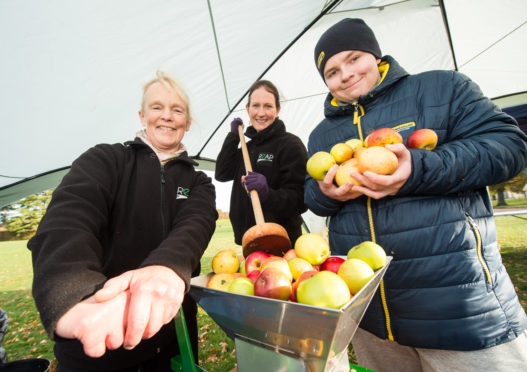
point(164, 78)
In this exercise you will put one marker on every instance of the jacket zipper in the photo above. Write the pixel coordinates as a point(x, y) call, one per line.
point(382, 290)
point(356, 121)
point(479, 248)
point(162, 174)
point(356, 118)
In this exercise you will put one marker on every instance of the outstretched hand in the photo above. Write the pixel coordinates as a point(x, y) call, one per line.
point(130, 307)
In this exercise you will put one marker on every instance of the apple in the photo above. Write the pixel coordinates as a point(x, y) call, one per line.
point(253, 275)
point(384, 136)
point(312, 247)
point(221, 281)
point(273, 283)
point(241, 269)
point(290, 254)
point(344, 170)
point(422, 139)
point(324, 289)
point(332, 263)
point(355, 144)
point(378, 160)
point(356, 273)
point(297, 266)
point(371, 253)
point(357, 152)
point(254, 260)
point(242, 285)
point(316, 267)
point(341, 152)
point(303, 276)
point(318, 164)
point(278, 262)
point(225, 261)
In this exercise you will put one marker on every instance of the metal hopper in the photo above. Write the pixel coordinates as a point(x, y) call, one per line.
point(274, 335)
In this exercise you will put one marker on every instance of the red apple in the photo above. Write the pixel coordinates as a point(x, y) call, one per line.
point(422, 139)
point(384, 136)
point(273, 283)
point(254, 261)
point(253, 275)
point(280, 263)
point(332, 263)
point(290, 254)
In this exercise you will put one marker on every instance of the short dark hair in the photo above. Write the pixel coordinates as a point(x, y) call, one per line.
point(268, 86)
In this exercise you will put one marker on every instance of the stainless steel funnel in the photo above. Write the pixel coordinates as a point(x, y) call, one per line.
point(274, 335)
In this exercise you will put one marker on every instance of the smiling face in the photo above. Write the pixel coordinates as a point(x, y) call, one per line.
point(164, 117)
point(262, 108)
point(351, 74)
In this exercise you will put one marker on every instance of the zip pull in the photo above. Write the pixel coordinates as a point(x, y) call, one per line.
point(163, 174)
point(356, 114)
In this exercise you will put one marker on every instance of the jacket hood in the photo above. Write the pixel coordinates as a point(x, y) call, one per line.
point(390, 71)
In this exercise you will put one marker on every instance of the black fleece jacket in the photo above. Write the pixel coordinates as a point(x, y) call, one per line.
point(281, 157)
point(118, 209)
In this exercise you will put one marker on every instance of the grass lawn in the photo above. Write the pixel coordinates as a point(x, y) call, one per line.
point(25, 337)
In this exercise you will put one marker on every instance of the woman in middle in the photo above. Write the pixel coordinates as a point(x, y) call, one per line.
point(278, 159)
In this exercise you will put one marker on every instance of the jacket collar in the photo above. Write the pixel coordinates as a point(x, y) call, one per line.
point(138, 144)
point(277, 128)
point(390, 71)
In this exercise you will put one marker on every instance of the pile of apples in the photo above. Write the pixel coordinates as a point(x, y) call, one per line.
point(306, 274)
point(355, 155)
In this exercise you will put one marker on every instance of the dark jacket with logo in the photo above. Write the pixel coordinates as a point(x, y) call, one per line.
point(446, 287)
point(116, 210)
point(281, 157)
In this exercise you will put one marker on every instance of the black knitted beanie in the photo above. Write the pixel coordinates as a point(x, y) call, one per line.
point(347, 34)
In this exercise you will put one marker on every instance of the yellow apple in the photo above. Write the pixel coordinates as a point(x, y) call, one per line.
point(378, 160)
point(371, 253)
point(225, 261)
point(221, 281)
point(344, 170)
point(356, 273)
point(324, 289)
point(357, 152)
point(297, 266)
point(318, 164)
point(341, 152)
point(355, 144)
point(312, 247)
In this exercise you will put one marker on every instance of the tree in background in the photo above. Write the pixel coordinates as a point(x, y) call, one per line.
point(515, 184)
point(22, 217)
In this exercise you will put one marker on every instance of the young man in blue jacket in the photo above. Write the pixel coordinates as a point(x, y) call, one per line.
point(446, 301)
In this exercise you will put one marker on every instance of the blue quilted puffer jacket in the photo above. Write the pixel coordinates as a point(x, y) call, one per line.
point(446, 287)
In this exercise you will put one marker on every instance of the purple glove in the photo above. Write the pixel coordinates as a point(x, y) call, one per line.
point(235, 124)
point(257, 181)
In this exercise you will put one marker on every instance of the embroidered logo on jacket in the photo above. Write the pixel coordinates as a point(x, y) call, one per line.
point(182, 192)
point(265, 158)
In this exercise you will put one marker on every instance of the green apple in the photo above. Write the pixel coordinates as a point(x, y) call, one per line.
point(371, 253)
point(242, 285)
point(324, 289)
point(312, 247)
point(356, 273)
point(318, 164)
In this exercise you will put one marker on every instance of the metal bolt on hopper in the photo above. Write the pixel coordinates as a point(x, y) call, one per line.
point(274, 335)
